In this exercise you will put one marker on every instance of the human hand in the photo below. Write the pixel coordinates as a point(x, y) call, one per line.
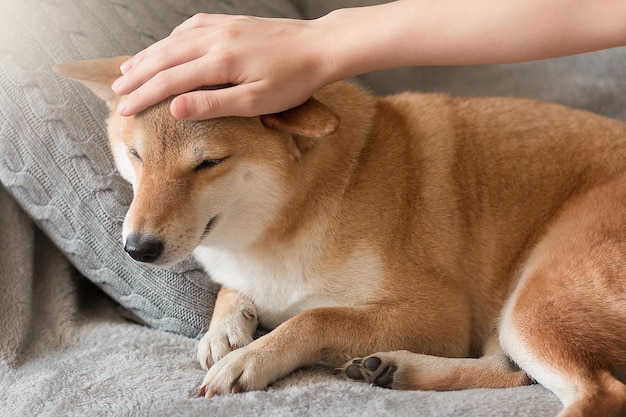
point(274, 64)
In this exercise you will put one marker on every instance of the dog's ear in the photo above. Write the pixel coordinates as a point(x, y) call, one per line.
point(96, 74)
point(312, 119)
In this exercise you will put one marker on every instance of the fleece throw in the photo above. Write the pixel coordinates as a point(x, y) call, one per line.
point(66, 350)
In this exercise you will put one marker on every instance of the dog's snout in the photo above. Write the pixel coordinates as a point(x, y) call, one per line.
point(143, 248)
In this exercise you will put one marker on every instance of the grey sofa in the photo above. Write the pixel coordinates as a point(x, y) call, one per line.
point(83, 329)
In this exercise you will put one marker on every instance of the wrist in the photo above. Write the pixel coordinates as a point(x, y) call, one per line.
point(363, 39)
point(338, 56)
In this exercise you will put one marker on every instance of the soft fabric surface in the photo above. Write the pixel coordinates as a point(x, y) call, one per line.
point(65, 351)
point(65, 348)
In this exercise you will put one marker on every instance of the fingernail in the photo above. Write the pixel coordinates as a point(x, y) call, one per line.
point(126, 66)
point(122, 107)
point(180, 107)
point(116, 85)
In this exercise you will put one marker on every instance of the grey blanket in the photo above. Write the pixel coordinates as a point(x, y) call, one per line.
point(66, 351)
point(66, 348)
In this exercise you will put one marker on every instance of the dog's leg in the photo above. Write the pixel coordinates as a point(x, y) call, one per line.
point(332, 335)
point(566, 321)
point(411, 371)
point(571, 356)
point(572, 347)
point(233, 324)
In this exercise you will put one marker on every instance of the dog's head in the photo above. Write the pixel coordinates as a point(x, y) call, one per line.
point(219, 182)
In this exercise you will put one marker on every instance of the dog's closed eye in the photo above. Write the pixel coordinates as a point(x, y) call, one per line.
point(209, 163)
point(134, 154)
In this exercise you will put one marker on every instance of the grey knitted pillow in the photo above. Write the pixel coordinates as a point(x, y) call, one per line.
point(54, 158)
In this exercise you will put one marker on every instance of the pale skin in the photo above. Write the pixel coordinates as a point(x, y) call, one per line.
point(276, 64)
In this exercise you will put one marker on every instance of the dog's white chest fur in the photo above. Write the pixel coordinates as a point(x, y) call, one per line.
point(282, 288)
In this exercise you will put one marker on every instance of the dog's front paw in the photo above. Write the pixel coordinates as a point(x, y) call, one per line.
point(378, 369)
point(245, 369)
point(231, 332)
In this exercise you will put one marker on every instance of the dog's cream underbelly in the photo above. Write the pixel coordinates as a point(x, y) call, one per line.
point(280, 289)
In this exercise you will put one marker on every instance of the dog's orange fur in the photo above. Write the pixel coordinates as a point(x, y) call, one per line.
point(441, 236)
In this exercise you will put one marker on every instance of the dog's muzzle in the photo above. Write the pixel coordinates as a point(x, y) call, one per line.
point(143, 248)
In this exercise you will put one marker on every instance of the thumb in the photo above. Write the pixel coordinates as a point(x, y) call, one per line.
point(209, 104)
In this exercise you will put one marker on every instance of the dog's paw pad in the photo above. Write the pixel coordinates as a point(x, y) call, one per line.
point(372, 363)
point(372, 369)
point(385, 378)
point(353, 371)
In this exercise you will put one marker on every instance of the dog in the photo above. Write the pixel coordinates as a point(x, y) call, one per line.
point(415, 241)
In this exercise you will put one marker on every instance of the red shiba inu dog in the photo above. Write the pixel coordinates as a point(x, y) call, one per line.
point(414, 241)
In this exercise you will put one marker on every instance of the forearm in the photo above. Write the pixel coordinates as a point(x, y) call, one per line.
point(463, 32)
point(276, 64)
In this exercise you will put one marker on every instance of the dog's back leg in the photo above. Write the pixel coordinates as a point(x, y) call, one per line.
point(566, 320)
point(412, 371)
point(585, 386)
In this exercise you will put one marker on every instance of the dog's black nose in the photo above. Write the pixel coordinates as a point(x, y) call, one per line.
point(143, 248)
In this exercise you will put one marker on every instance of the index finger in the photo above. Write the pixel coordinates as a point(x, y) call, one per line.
point(161, 56)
